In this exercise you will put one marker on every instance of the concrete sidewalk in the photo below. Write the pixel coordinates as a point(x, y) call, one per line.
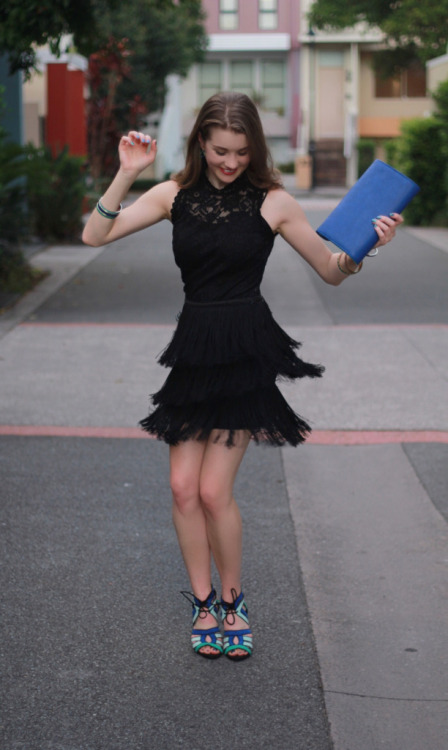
point(345, 548)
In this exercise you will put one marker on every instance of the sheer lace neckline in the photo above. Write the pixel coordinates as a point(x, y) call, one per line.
point(213, 205)
point(231, 187)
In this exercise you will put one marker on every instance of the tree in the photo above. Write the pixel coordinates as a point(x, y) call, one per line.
point(164, 37)
point(132, 48)
point(107, 69)
point(440, 97)
point(127, 76)
point(25, 24)
point(413, 28)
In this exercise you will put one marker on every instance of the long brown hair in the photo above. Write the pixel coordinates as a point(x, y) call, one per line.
point(237, 112)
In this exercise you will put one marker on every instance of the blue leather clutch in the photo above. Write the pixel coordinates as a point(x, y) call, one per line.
point(380, 191)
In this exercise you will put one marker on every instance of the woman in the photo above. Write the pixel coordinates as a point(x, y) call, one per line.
point(226, 207)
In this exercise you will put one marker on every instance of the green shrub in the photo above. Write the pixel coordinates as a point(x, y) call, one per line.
point(39, 196)
point(55, 191)
point(15, 272)
point(17, 276)
point(440, 97)
point(287, 167)
point(390, 148)
point(422, 153)
point(418, 155)
point(366, 154)
point(12, 192)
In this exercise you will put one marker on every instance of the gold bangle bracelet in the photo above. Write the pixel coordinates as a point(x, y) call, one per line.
point(342, 270)
point(346, 271)
point(358, 267)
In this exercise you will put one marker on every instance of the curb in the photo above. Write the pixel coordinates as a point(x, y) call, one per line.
point(63, 263)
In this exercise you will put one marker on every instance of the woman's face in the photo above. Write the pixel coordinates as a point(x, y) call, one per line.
point(227, 155)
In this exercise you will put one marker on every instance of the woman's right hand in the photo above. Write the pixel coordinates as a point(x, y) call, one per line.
point(136, 151)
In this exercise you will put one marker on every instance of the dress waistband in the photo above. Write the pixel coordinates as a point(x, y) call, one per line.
point(218, 303)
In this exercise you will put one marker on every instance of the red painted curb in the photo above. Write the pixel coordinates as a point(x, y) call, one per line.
point(318, 437)
point(376, 437)
point(67, 431)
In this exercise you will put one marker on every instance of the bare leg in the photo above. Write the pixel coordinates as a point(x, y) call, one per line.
point(218, 472)
point(206, 516)
point(188, 514)
point(190, 521)
point(219, 469)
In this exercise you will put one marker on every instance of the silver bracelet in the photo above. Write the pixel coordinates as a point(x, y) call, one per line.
point(105, 213)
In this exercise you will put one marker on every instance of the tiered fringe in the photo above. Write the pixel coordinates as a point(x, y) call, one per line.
point(225, 359)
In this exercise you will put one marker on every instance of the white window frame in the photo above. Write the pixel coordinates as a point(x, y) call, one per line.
point(267, 15)
point(282, 108)
point(204, 92)
point(228, 15)
point(257, 80)
point(245, 90)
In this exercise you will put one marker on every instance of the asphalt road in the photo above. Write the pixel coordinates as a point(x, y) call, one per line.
point(135, 281)
point(345, 539)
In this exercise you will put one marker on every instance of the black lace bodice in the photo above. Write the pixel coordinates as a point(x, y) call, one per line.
point(221, 242)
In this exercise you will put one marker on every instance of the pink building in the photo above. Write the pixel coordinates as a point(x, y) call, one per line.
point(253, 48)
point(317, 91)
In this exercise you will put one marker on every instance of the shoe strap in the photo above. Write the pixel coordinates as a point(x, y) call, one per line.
point(235, 608)
point(206, 631)
point(202, 608)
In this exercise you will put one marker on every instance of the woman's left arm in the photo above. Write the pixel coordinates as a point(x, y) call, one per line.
point(284, 215)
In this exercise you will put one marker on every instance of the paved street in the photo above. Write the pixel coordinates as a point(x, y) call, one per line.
point(346, 538)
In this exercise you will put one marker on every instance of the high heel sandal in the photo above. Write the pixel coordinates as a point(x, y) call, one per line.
point(236, 608)
point(199, 636)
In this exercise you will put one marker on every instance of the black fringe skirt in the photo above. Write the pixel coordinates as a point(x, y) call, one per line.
point(226, 358)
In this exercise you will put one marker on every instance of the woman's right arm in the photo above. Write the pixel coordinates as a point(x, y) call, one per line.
point(136, 152)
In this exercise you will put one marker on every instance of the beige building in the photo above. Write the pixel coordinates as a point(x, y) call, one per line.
point(343, 99)
point(437, 71)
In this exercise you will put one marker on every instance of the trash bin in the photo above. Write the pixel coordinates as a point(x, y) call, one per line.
point(303, 172)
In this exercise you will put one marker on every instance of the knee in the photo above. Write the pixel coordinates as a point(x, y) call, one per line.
point(185, 492)
point(213, 499)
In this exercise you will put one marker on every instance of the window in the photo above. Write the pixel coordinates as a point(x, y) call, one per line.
point(273, 86)
point(242, 76)
point(210, 80)
point(416, 80)
point(331, 59)
point(409, 83)
point(263, 79)
point(267, 14)
point(228, 15)
point(387, 87)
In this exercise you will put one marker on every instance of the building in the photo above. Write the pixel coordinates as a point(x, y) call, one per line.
point(317, 91)
point(54, 103)
point(253, 48)
point(343, 99)
point(437, 70)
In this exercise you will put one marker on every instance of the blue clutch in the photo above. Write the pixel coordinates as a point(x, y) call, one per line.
point(380, 191)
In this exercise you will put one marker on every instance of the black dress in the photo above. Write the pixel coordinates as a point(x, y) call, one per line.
point(227, 350)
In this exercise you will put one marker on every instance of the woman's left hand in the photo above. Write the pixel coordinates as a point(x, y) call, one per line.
point(385, 227)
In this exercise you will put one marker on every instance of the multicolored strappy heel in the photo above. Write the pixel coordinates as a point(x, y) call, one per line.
point(243, 637)
point(210, 636)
